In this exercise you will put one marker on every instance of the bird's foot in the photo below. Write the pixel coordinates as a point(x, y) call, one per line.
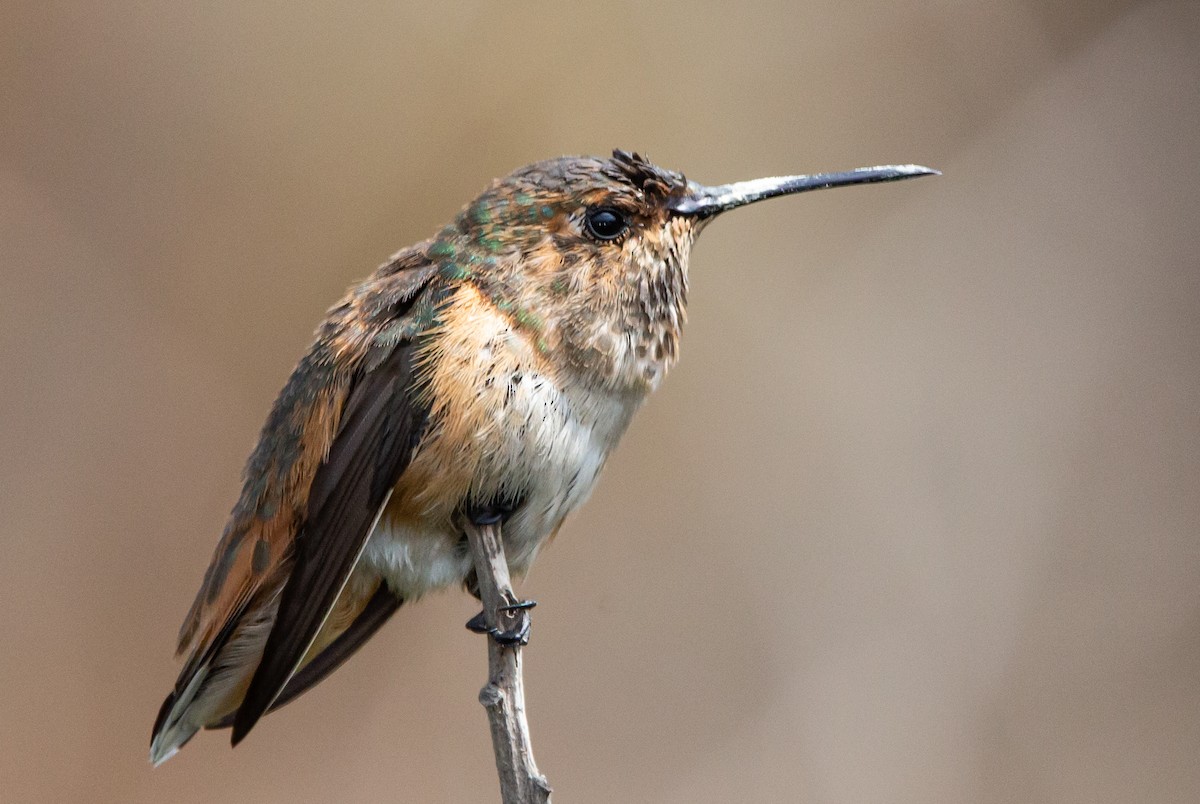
point(514, 625)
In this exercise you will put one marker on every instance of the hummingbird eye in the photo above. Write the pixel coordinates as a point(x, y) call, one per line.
point(605, 223)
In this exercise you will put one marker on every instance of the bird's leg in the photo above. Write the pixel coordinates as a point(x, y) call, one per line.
point(515, 622)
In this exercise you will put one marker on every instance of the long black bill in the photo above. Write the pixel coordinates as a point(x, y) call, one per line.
point(704, 202)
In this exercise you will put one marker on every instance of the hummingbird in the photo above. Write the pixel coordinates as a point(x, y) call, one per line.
point(482, 375)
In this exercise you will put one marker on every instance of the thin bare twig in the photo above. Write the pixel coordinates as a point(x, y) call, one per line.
point(504, 694)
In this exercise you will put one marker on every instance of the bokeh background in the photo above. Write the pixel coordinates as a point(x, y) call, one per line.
point(916, 518)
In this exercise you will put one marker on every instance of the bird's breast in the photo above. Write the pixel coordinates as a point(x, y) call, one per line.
point(507, 423)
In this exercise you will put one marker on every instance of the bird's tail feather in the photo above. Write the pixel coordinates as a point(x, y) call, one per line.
point(172, 729)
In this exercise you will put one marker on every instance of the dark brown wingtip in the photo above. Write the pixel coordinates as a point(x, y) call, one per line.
point(241, 727)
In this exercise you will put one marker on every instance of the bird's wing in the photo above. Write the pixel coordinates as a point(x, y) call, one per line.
point(340, 434)
point(380, 428)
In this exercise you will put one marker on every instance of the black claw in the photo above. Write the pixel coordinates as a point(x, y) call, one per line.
point(517, 636)
point(515, 613)
point(478, 624)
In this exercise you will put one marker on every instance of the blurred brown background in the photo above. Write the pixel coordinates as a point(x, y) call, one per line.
point(914, 520)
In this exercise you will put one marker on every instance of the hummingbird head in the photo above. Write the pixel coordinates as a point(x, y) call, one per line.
point(592, 253)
